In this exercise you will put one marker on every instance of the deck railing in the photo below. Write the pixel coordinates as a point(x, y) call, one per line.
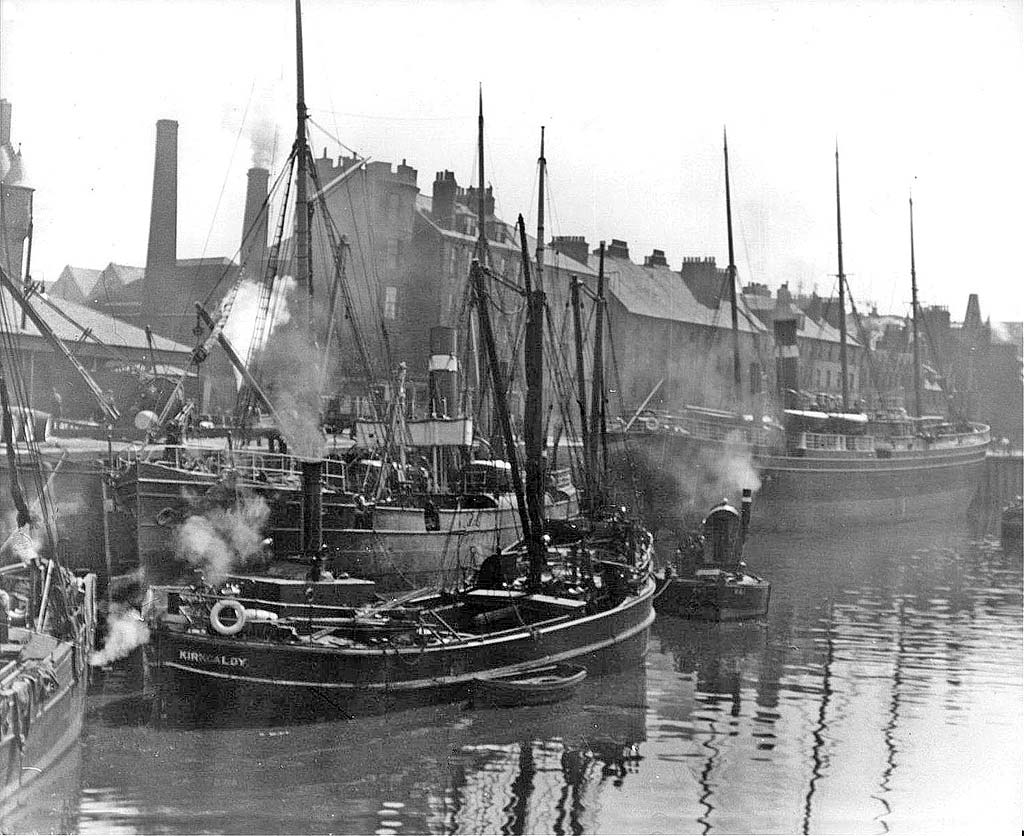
point(728, 431)
point(978, 437)
point(250, 465)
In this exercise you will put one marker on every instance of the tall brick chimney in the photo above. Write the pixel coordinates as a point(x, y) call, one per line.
point(5, 122)
point(254, 222)
point(163, 218)
point(442, 205)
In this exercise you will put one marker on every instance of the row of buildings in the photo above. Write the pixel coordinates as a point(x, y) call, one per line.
point(407, 260)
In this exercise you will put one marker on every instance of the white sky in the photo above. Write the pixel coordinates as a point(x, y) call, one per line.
point(634, 96)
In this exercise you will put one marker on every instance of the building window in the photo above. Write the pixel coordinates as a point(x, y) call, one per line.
point(828, 380)
point(390, 302)
point(394, 256)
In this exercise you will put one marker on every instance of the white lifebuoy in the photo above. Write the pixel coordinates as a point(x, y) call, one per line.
point(227, 629)
point(651, 423)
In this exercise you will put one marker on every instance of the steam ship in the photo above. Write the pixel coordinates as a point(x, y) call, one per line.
point(821, 463)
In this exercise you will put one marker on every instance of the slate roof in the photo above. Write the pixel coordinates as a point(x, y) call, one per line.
point(106, 329)
point(552, 258)
point(84, 278)
point(660, 293)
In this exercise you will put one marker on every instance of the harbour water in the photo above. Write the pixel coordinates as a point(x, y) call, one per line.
point(882, 695)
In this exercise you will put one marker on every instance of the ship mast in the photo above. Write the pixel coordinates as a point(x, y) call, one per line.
point(302, 254)
point(913, 291)
point(479, 378)
point(581, 384)
point(842, 294)
point(597, 389)
point(481, 206)
point(533, 417)
point(732, 281)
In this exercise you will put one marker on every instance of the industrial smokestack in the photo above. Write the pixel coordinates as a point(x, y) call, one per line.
point(254, 223)
point(163, 218)
point(5, 122)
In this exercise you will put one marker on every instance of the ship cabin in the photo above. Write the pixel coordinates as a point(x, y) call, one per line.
point(487, 476)
point(722, 531)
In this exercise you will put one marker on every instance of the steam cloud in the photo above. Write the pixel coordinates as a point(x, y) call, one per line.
point(263, 138)
point(239, 327)
point(223, 539)
point(19, 547)
point(719, 474)
point(125, 631)
point(293, 384)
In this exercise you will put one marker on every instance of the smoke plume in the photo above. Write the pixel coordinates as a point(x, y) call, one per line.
point(263, 139)
point(223, 539)
point(718, 474)
point(292, 380)
point(125, 631)
point(676, 491)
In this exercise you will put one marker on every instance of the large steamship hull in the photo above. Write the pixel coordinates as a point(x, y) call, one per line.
point(221, 675)
point(817, 490)
point(823, 492)
point(397, 551)
point(398, 554)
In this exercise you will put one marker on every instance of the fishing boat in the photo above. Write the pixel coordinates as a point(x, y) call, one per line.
point(581, 600)
point(533, 686)
point(47, 617)
point(823, 461)
point(709, 579)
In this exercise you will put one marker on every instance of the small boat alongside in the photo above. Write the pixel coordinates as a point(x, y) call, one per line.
point(533, 686)
point(709, 580)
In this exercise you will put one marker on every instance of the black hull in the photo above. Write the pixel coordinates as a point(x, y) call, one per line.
point(712, 601)
point(236, 680)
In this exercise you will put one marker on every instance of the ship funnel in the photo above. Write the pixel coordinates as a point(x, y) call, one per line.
point(312, 507)
point(444, 372)
point(745, 506)
point(787, 362)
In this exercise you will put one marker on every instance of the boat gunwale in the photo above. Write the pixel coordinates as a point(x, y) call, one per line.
point(514, 633)
point(417, 684)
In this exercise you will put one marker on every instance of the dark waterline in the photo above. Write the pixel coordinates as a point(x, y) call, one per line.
point(882, 694)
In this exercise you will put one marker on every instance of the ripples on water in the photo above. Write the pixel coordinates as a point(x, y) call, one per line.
point(882, 694)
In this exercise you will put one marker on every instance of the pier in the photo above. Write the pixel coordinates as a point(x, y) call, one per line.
point(1003, 479)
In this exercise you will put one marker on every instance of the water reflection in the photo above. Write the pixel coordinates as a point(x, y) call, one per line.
point(882, 694)
point(543, 770)
point(48, 803)
point(842, 708)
